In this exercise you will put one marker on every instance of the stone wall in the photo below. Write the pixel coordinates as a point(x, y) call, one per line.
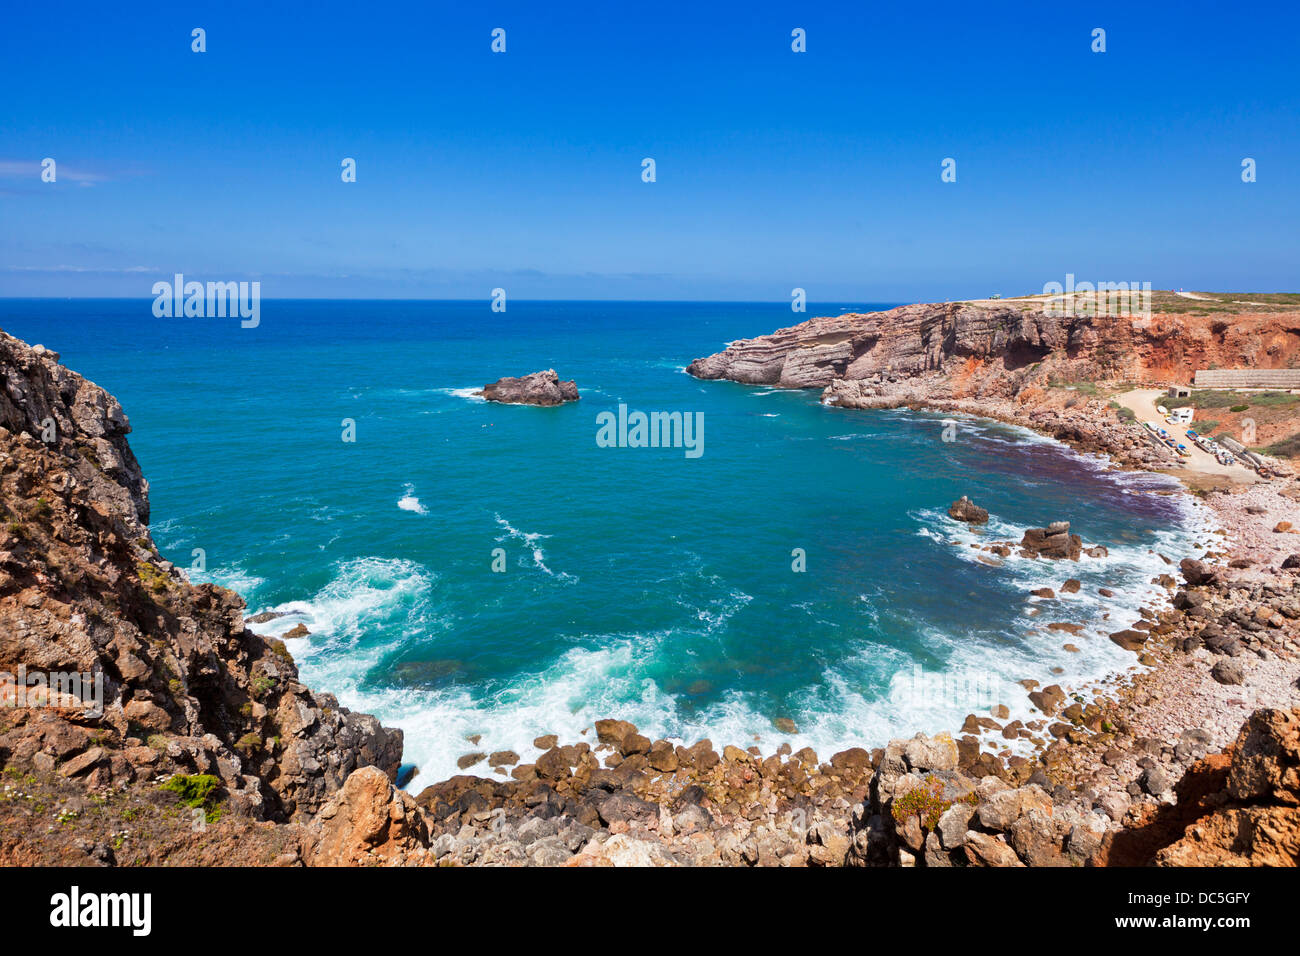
point(1248, 378)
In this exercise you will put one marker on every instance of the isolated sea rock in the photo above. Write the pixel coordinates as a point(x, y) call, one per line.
point(963, 509)
point(1054, 541)
point(539, 388)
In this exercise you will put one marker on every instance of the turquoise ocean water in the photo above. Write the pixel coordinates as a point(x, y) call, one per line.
point(640, 583)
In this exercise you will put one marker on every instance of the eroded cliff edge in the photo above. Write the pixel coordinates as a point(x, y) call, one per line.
point(186, 688)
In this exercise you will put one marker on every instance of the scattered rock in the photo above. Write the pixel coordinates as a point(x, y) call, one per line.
point(1227, 670)
point(1196, 573)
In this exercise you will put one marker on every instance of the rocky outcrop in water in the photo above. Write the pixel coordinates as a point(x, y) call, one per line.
point(1054, 541)
point(539, 388)
point(963, 509)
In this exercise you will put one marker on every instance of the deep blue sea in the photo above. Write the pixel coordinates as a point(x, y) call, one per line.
point(639, 583)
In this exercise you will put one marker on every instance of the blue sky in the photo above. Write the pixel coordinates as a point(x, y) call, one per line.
point(774, 169)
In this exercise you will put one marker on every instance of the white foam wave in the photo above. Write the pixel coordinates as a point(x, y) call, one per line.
point(408, 502)
point(364, 593)
point(469, 393)
point(234, 577)
point(1127, 571)
point(530, 539)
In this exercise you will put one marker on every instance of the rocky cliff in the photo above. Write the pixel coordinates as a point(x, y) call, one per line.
point(186, 688)
point(987, 350)
point(1236, 808)
point(1015, 362)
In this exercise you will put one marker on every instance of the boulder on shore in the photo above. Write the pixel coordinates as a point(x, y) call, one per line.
point(1197, 573)
point(963, 509)
point(539, 388)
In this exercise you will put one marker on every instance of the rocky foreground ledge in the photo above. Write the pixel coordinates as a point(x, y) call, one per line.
point(539, 388)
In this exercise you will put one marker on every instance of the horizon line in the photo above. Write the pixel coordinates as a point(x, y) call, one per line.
point(488, 298)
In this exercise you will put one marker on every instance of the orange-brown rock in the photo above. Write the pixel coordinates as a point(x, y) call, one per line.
point(370, 822)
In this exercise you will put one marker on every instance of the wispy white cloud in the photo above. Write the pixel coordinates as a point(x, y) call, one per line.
point(20, 169)
point(98, 270)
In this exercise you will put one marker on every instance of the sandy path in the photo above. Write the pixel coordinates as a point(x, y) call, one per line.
point(1143, 401)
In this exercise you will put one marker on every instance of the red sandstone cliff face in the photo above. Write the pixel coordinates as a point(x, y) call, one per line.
point(982, 350)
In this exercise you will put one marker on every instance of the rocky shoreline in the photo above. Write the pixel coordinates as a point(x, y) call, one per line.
point(1104, 774)
point(1108, 765)
point(203, 716)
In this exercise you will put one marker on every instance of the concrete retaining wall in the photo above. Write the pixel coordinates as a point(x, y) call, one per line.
point(1248, 378)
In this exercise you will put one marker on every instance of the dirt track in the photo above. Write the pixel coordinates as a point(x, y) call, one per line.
point(1143, 401)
